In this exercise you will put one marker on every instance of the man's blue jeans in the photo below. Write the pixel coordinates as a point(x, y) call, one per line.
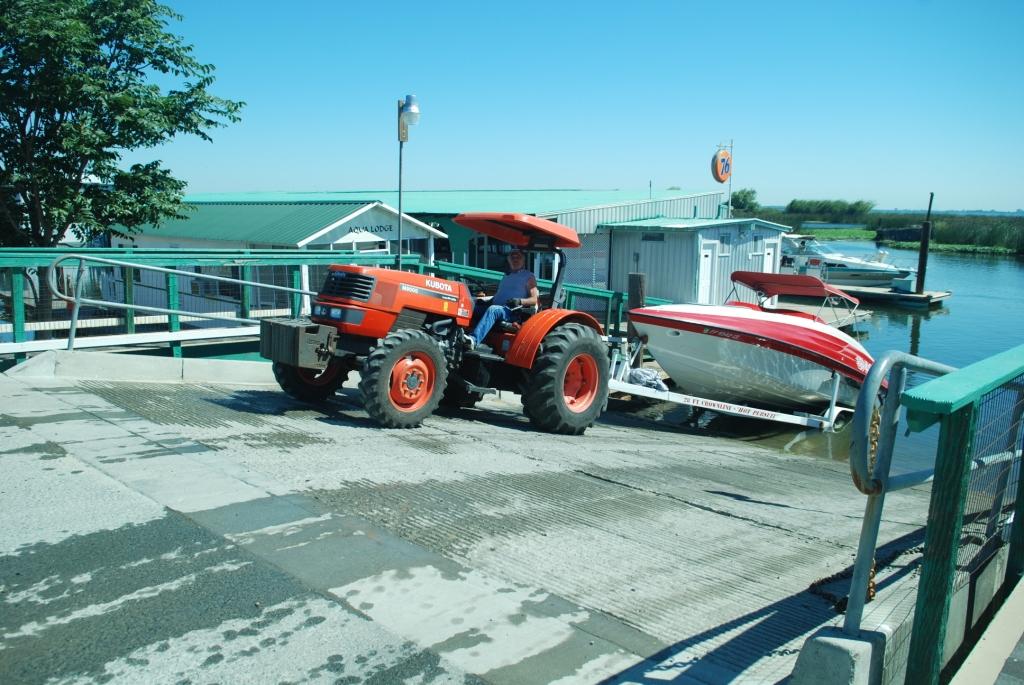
point(494, 314)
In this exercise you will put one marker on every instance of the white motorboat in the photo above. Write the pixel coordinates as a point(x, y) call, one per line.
point(803, 254)
point(750, 354)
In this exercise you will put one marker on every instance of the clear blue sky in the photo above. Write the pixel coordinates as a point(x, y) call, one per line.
point(882, 101)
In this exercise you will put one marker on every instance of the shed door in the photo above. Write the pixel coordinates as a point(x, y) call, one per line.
point(706, 271)
point(771, 248)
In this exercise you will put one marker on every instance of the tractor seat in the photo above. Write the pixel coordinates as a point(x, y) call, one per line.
point(514, 326)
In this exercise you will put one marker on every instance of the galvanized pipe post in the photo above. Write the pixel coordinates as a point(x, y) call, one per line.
point(878, 475)
point(79, 282)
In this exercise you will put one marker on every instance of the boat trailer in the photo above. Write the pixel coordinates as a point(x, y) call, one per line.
point(621, 364)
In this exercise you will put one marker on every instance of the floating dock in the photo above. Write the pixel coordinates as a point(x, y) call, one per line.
point(891, 296)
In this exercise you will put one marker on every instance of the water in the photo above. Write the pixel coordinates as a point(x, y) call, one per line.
point(984, 316)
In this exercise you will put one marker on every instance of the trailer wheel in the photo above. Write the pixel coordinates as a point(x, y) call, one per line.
point(567, 389)
point(403, 379)
point(311, 385)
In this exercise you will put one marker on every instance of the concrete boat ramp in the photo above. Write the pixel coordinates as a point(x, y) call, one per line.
point(184, 521)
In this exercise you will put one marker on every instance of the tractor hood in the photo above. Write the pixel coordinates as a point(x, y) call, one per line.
point(521, 230)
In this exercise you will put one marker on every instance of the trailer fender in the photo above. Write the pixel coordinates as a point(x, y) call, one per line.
point(524, 349)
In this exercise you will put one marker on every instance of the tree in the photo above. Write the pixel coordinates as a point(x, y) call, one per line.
point(81, 82)
point(832, 210)
point(745, 200)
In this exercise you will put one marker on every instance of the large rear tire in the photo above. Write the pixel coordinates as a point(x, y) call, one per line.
point(403, 379)
point(567, 388)
point(311, 385)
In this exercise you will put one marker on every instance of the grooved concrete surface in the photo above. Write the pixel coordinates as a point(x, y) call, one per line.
point(202, 532)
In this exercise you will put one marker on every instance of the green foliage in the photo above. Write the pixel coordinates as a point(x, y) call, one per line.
point(838, 211)
point(78, 88)
point(745, 200)
point(845, 234)
point(949, 247)
point(963, 229)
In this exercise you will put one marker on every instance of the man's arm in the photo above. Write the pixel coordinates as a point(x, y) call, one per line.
point(531, 300)
point(534, 294)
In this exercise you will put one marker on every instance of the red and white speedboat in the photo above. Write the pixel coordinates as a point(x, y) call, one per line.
point(753, 354)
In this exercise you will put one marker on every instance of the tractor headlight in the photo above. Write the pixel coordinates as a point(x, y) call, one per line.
point(319, 310)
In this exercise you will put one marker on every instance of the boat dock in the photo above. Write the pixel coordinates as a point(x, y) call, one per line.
point(170, 520)
point(891, 296)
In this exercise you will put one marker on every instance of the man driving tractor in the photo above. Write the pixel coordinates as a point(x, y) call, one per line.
point(518, 288)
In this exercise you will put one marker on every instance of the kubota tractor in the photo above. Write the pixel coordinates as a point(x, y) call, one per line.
point(406, 333)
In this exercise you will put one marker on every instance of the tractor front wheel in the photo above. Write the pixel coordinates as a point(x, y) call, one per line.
point(311, 385)
point(567, 388)
point(403, 379)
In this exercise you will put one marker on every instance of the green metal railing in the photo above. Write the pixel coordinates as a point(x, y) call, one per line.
point(28, 307)
point(976, 509)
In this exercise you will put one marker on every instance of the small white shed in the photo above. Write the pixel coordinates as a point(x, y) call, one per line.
point(691, 260)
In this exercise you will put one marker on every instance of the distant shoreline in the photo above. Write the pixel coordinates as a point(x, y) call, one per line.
point(868, 236)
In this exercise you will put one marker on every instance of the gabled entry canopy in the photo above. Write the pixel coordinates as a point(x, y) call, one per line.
point(521, 230)
point(371, 223)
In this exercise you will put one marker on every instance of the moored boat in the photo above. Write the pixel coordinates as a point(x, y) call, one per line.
point(803, 254)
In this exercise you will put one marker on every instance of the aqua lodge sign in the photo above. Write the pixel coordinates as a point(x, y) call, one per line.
point(377, 229)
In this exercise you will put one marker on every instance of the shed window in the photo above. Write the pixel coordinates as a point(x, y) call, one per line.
point(725, 244)
point(653, 237)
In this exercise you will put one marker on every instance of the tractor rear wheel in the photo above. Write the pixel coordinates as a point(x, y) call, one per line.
point(311, 385)
point(403, 379)
point(567, 388)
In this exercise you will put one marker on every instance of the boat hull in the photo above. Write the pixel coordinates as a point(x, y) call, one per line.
point(727, 354)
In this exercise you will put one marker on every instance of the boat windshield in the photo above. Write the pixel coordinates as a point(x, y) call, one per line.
point(805, 245)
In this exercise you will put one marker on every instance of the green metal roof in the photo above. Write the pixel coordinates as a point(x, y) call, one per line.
point(667, 224)
point(280, 223)
point(456, 201)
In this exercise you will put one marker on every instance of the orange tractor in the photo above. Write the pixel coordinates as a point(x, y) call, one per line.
point(406, 333)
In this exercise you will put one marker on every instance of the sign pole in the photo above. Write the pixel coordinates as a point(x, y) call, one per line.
point(730, 180)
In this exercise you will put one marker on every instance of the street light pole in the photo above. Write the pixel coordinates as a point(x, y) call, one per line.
point(408, 115)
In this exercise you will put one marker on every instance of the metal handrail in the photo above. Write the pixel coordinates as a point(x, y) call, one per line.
point(77, 300)
point(894, 365)
point(874, 481)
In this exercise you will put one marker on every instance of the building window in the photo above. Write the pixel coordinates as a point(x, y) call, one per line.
point(725, 244)
point(652, 237)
